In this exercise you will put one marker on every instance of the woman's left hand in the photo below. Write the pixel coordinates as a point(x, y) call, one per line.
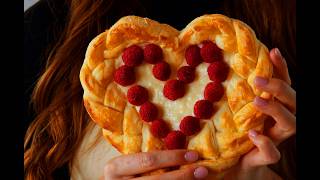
point(283, 124)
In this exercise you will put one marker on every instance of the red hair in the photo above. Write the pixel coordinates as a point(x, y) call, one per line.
point(61, 120)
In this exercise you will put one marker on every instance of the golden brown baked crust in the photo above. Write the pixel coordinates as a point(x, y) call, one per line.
point(223, 139)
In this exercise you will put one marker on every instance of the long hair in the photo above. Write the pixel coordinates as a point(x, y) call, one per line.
point(61, 120)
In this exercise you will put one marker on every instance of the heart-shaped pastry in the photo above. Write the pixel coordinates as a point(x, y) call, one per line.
point(152, 87)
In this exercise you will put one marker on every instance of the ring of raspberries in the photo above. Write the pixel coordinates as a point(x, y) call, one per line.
point(174, 89)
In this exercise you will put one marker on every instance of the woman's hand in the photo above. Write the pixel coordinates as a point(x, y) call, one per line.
point(281, 126)
point(128, 166)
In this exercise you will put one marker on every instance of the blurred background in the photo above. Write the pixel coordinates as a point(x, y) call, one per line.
point(29, 3)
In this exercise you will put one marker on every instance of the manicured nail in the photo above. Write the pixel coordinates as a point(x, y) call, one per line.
point(278, 53)
point(252, 133)
point(200, 173)
point(191, 156)
point(260, 101)
point(260, 81)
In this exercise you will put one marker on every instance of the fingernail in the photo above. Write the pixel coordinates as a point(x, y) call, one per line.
point(278, 53)
point(252, 133)
point(191, 156)
point(200, 173)
point(260, 81)
point(259, 101)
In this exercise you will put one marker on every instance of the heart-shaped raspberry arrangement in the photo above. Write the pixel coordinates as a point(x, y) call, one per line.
point(152, 87)
point(173, 89)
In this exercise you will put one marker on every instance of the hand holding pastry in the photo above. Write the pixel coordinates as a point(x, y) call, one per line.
point(129, 166)
point(282, 110)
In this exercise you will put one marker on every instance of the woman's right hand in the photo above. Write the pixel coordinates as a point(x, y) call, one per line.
point(129, 166)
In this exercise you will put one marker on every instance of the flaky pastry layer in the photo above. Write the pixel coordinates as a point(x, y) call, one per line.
point(223, 138)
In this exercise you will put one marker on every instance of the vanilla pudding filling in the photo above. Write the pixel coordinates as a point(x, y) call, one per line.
point(172, 111)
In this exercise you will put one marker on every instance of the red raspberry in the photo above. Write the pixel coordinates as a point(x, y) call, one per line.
point(186, 74)
point(132, 55)
point(161, 71)
point(152, 53)
point(124, 75)
point(203, 109)
point(148, 111)
point(213, 91)
point(210, 52)
point(190, 125)
point(173, 89)
point(218, 71)
point(159, 128)
point(193, 56)
point(175, 140)
point(137, 95)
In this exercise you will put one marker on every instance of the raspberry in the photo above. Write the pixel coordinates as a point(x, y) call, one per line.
point(186, 74)
point(152, 53)
point(148, 111)
point(159, 128)
point(137, 95)
point(193, 56)
point(175, 140)
point(210, 52)
point(124, 75)
point(173, 89)
point(218, 71)
point(203, 109)
point(161, 71)
point(132, 55)
point(213, 91)
point(190, 125)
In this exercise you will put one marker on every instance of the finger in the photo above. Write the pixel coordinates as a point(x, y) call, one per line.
point(278, 88)
point(133, 164)
point(266, 152)
point(285, 121)
point(280, 65)
point(183, 174)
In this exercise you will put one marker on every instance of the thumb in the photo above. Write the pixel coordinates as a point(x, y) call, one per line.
point(265, 152)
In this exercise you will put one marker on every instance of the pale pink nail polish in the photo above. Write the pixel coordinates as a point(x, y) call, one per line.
point(278, 53)
point(260, 81)
point(200, 173)
point(260, 102)
point(191, 156)
point(252, 133)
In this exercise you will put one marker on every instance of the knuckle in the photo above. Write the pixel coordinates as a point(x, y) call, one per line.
point(147, 160)
point(279, 86)
point(291, 129)
point(277, 108)
point(271, 154)
point(290, 132)
point(294, 129)
point(265, 141)
point(273, 158)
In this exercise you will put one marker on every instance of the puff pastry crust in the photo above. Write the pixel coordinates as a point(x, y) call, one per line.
point(223, 139)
